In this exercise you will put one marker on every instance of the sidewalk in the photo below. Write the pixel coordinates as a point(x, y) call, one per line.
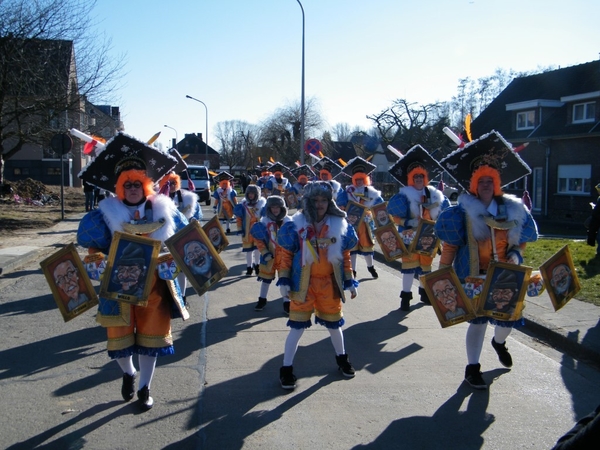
point(575, 329)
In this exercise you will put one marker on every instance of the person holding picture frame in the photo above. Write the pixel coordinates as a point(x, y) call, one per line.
point(414, 201)
point(360, 191)
point(247, 213)
point(130, 168)
point(486, 225)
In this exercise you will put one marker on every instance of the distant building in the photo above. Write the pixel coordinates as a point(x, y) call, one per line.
point(195, 151)
point(557, 113)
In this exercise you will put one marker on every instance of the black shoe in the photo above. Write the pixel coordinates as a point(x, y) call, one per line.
point(405, 298)
point(287, 377)
point(503, 355)
point(128, 387)
point(248, 271)
point(354, 274)
point(144, 400)
point(473, 376)
point(424, 296)
point(256, 269)
point(262, 302)
point(373, 272)
point(344, 365)
point(228, 231)
point(286, 308)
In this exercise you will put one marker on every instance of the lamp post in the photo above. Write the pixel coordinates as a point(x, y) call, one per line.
point(206, 134)
point(302, 93)
point(176, 136)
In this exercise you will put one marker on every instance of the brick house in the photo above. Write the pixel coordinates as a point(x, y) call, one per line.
point(557, 113)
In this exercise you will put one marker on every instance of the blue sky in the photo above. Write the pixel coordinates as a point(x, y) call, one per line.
point(242, 58)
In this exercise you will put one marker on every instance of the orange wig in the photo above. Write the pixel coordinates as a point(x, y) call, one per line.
point(224, 184)
point(361, 176)
point(173, 178)
point(485, 171)
point(418, 171)
point(132, 176)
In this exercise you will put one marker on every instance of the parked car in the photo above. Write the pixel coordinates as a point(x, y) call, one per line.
point(201, 179)
point(449, 191)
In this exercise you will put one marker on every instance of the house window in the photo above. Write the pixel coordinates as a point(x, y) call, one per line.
point(584, 112)
point(20, 171)
point(53, 171)
point(574, 179)
point(525, 120)
point(517, 185)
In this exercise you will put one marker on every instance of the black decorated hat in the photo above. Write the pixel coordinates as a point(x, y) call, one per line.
point(358, 165)
point(506, 280)
point(223, 176)
point(490, 149)
point(278, 167)
point(328, 164)
point(417, 156)
point(133, 254)
point(303, 170)
point(181, 164)
point(122, 153)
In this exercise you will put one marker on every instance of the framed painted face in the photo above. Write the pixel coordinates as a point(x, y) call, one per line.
point(355, 212)
point(68, 280)
point(131, 261)
point(390, 242)
point(216, 234)
point(560, 278)
point(448, 298)
point(425, 242)
point(504, 291)
point(194, 253)
point(380, 215)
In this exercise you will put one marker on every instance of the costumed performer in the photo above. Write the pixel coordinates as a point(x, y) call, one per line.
point(277, 184)
point(315, 269)
point(327, 170)
point(415, 200)
point(247, 213)
point(486, 225)
point(303, 176)
point(225, 199)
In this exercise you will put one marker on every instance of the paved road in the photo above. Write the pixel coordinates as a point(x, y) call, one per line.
point(221, 389)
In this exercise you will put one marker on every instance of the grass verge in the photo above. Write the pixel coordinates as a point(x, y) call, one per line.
point(587, 265)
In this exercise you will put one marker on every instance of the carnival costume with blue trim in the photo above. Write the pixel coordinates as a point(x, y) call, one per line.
point(247, 213)
point(467, 226)
point(96, 230)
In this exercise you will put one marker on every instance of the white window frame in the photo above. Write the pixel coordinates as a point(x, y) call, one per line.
point(574, 179)
point(588, 110)
point(526, 120)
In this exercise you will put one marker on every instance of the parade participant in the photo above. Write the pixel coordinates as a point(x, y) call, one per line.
point(486, 225)
point(265, 237)
point(304, 174)
point(186, 202)
point(225, 199)
point(277, 184)
point(315, 269)
point(361, 191)
point(247, 213)
point(414, 201)
point(265, 176)
point(130, 168)
point(327, 170)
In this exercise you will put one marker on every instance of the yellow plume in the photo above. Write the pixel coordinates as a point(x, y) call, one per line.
point(153, 138)
point(468, 126)
point(342, 162)
point(370, 158)
point(271, 159)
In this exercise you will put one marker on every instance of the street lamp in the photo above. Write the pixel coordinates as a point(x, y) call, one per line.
point(176, 138)
point(206, 134)
point(302, 94)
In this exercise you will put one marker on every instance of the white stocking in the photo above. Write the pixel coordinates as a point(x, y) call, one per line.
point(407, 281)
point(501, 333)
point(126, 365)
point(256, 254)
point(264, 289)
point(337, 339)
point(291, 345)
point(475, 337)
point(353, 259)
point(147, 365)
point(369, 260)
point(248, 259)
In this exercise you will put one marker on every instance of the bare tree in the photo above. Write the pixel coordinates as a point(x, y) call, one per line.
point(280, 134)
point(43, 81)
point(237, 143)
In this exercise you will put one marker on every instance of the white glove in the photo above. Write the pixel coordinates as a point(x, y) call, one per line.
point(284, 290)
point(353, 292)
point(513, 259)
point(268, 256)
point(412, 223)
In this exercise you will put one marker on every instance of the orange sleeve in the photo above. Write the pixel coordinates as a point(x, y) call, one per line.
point(448, 254)
point(285, 258)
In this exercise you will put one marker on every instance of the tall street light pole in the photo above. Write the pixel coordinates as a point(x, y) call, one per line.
point(176, 136)
point(206, 134)
point(302, 94)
